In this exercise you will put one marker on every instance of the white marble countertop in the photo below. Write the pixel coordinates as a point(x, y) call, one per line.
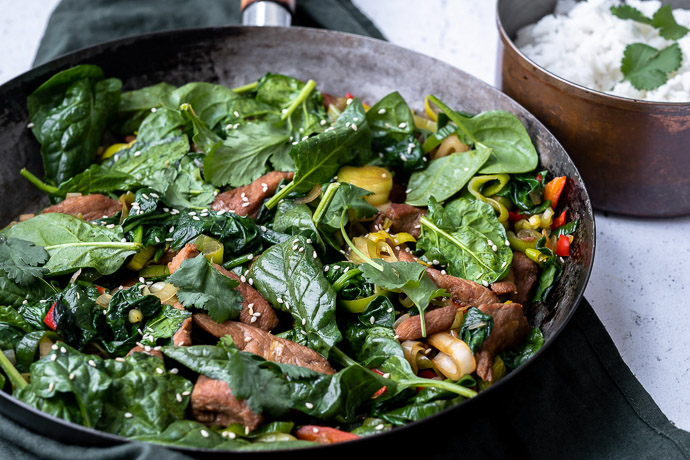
point(641, 273)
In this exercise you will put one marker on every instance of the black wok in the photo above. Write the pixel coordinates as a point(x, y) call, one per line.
point(338, 62)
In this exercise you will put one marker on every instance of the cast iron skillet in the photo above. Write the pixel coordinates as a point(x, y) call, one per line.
point(338, 62)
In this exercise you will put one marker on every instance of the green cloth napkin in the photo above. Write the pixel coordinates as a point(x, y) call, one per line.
point(577, 400)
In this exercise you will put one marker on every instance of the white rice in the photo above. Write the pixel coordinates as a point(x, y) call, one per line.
point(583, 42)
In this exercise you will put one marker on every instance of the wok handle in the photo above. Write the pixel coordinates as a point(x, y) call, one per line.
point(267, 12)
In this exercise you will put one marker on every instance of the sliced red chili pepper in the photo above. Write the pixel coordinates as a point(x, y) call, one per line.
point(558, 221)
point(349, 95)
point(553, 190)
point(539, 178)
point(427, 374)
point(49, 320)
point(324, 434)
point(381, 390)
point(514, 217)
point(563, 246)
point(100, 289)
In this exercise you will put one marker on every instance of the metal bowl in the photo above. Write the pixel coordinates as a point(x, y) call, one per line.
point(632, 154)
point(339, 63)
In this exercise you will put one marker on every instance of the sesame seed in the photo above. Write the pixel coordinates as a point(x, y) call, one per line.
point(386, 375)
point(153, 109)
point(372, 320)
point(382, 111)
point(402, 125)
point(122, 360)
point(300, 250)
point(178, 396)
point(72, 376)
point(507, 243)
point(251, 281)
point(253, 320)
point(236, 113)
point(235, 126)
point(304, 321)
point(185, 393)
point(30, 125)
point(228, 127)
point(247, 339)
point(326, 268)
point(315, 430)
point(243, 279)
point(279, 300)
point(467, 169)
point(180, 344)
point(485, 283)
point(284, 111)
point(348, 124)
point(128, 415)
point(294, 248)
point(228, 434)
point(250, 256)
point(53, 357)
point(250, 306)
point(257, 314)
point(309, 405)
point(305, 138)
point(315, 255)
point(158, 240)
point(435, 262)
point(263, 228)
point(92, 363)
point(147, 348)
point(418, 226)
point(349, 101)
point(387, 125)
point(169, 240)
point(63, 349)
point(244, 205)
point(403, 157)
point(51, 387)
point(123, 240)
point(24, 302)
point(354, 127)
point(494, 248)
point(396, 336)
point(196, 218)
point(323, 122)
point(175, 370)
point(116, 157)
point(408, 190)
point(346, 269)
point(110, 226)
point(379, 427)
point(55, 346)
point(384, 175)
point(159, 370)
point(443, 272)
point(141, 279)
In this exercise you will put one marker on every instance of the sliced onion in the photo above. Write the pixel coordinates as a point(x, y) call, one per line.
point(44, 346)
point(411, 350)
point(385, 252)
point(165, 293)
point(157, 287)
point(313, 194)
point(72, 195)
point(104, 300)
point(447, 366)
point(457, 350)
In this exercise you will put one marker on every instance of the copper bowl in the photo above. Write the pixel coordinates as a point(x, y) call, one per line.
point(633, 155)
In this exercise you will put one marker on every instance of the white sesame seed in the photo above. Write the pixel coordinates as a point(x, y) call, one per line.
point(235, 126)
point(110, 226)
point(169, 240)
point(348, 124)
point(372, 320)
point(467, 169)
point(354, 127)
point(326, 268)
point(507, 243)
point(243, 279)
point(315, 255)
point(304, 321)
point(53, 357)
point(153, 109)
point(250, 306)
point(123, 240)
point(204, 433)
point(253, 320)
point(54, 346)
point(116, 157)
point(51, 387)
point(244, 205)
point(349, 101)
point(315, 430)
point(336, 267)
point(387, 125)
point(379, 427)
point(418, 226)
point(178, 396)
point(147, 348)
point(403, 157)
point(251, 281)
point(175, 370)
point(128, 415)
point(309, 405)
point(158, 240)
point(236, 113)
point(30, 125)
point(323, 122)
point(159, 370)
point(382, 111)
point(485, 283)
point(141, 279)
point(92, 363)
point(494, 248)
point(263, 228)
point(402, 125)
point(63, 350)
point(250, 256)
point(122, 360)
point(443, 272)
point(180, 344)
point(435, 262)
point(279, 300)
point(300, 250)
point(72, 376)
point(384, 175)
point(24, 302)
point(284, 111)
point(228, 126)
point(137, 153)
point(396, 336)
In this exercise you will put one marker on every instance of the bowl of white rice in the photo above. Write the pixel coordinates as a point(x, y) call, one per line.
point(627, 132)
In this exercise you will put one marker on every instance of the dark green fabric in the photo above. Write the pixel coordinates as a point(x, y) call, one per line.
point(76, 24)
point(577, 400)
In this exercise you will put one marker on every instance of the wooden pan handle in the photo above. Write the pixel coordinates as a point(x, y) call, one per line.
point(288, 4)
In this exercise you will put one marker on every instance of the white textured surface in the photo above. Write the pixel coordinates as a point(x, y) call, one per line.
point(641, 276)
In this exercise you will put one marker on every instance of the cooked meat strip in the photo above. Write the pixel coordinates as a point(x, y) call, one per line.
point(435, 321)
point(507, 284)
point(212, 403)
point(183, 336)
point(403, 218)
point(253, 301)
point(255, 309)
point(254, 340)
point(167, 257)
point(246, 200)
point(462, 291)
point(90, 207)
point(510, 327)
point(189, 251)
point(150, 351)
point(526, 275)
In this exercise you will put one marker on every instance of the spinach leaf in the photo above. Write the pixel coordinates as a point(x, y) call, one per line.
point(136, 105)
point(273, 388)
point(189, 190)
point(97, 179)
point(476, 328)
point(27, 348)
point(124, 334)
point(14, 295)
point(290, 276)
point(78, 317)
point(210, 102)
point(318, 158)
point(69, 113)
point(532, 343)
point(200, 285)
point(341, 196)
point(130, 397)
point(526, 192)
point(12, 317)
point(152, 164)
point(420, 406)
point(551, 270)
point(187, 433)
point(502, 132)
point(164, 325)
point(239, 234)
point(296, 219)
point(393, 131)
point(445, 176)
point(10, 336)
point(73, 243)
point(161, 124)
point(469, 238)
point(243, 156)
point(21, 260)
point(348, 285)
point(567, 229)
point(35, 312)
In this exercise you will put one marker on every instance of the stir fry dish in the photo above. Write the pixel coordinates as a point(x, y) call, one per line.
point(270, 266)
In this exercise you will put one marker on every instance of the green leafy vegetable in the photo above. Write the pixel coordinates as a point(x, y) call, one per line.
point(69, 113)
point(526, 192)
point(646, 67)
point(445, 176)
point(73, 243)
point(532, 343)
point(136, 105)
point(78, 317)
point(164, 325)
point(296, 219)
point(125, 334)
point(476, 328)
point(469, 238)
point(22, 260)
point(340, 197)
point(200, 285)
point(290, 277)
point(189, 190)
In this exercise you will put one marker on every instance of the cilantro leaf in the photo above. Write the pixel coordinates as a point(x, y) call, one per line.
point(630, 12)
point(646, 67)
point(668, 27)
point(202, 286)
point(22, 260)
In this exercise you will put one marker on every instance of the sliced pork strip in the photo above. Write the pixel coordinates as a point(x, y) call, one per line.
point(510, 328)
point(212, 403)
point(189, 251)
point(150, 351)
point(246, 200)
point(90, 207)
point(254, 340)
point(435, 321)
point(255, 309)
point(506, 285)
point(526, 275)
point(403, 218)
point(183, 336)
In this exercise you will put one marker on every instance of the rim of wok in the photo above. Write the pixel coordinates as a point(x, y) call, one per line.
point(211, 41)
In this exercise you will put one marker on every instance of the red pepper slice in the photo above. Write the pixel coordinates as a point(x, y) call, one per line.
point(349, 95)
point(101, 290)
point(558, 221)
point(553, 190)
point(563, 246)
point(513, 217)
point(324, 434)
point(426, 374)
point(49, 320)
point(381, 390)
